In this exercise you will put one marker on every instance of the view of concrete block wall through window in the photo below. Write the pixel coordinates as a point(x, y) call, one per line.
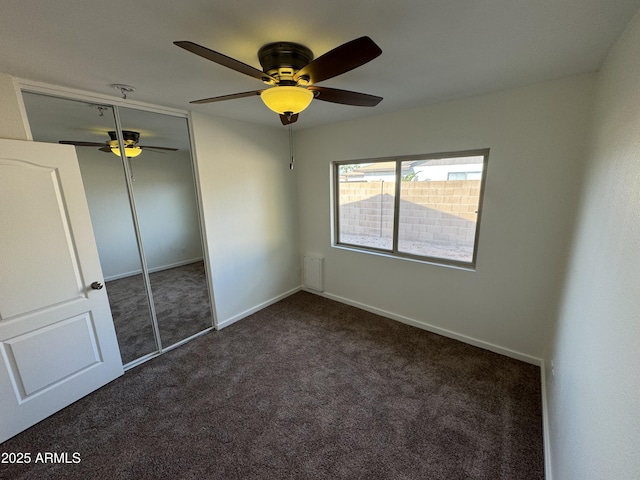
point(436, 218)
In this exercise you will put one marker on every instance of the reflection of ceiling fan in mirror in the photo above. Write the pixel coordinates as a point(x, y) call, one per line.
point(131, 147)
point(292, 73)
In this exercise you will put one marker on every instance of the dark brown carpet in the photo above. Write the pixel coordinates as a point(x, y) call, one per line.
point(305, 389)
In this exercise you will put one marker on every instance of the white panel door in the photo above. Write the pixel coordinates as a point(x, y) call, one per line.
point(57, 339)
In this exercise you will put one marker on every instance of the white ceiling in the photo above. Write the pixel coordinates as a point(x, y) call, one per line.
point(433, 50)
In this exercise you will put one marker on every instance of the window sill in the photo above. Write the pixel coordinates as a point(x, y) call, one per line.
point(438, 262)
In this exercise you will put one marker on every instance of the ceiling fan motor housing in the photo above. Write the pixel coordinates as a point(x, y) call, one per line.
point(283, 59)
point(130, 137)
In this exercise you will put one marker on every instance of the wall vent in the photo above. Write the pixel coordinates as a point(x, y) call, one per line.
point(312, 274)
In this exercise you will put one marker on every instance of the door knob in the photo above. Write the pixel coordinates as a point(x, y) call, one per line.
point(97, 286)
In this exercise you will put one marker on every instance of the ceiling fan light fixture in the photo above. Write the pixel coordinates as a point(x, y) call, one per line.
point(287, 99)
point(129, 150)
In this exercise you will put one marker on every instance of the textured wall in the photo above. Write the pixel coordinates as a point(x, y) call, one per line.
point(250, 213)
point(594, 390)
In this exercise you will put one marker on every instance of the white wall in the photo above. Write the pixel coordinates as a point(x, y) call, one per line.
point(594, 397)
point(250, 211)
point(536, 136)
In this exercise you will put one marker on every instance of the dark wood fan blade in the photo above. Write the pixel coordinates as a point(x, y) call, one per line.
point(82, 144)
point(153, 150)
point(106, 148)
point(225, 61)
point(345, 97)
point(287, 119)
point(340, 60)
point(228, 97)
point(158, 148)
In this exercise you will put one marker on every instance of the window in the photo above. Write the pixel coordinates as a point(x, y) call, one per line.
point(424, 207)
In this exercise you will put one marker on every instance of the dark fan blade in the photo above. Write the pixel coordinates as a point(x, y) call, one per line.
point(106, 148)
point(158, 148)
point(151, 149)
point(82, 144)
point(340, 60)
point(225, 61)
point(287, 119)
point(345, 97)
point(228, 97)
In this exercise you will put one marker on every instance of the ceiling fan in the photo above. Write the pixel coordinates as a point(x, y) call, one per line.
point(291, 71)
point(131, 147)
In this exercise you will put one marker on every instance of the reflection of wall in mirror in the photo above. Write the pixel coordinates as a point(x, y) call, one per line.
point(165, 204)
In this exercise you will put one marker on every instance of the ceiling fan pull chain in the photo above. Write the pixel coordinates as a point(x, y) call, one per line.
point(291, 147)
point(133, 178)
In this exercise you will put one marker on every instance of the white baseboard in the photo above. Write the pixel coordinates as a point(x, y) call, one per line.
point(246, 313)
point(548, 475)
point(432, 328)
point(400, 318)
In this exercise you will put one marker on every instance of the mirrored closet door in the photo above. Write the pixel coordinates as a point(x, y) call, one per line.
point(144, 211)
